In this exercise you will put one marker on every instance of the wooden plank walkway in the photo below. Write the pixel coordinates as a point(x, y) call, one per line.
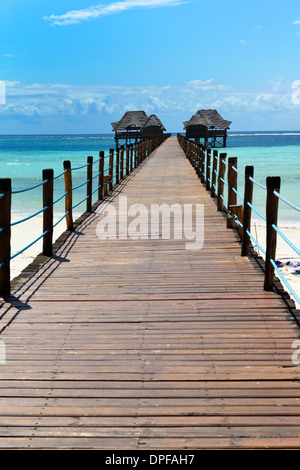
point(124, 344)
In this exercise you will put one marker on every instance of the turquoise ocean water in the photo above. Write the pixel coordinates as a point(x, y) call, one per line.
point(22, 158)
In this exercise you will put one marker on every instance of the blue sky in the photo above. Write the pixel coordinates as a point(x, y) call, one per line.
point(76, 66)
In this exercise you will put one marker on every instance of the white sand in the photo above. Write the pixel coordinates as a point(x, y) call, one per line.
point(284, 252)
point(25, 233)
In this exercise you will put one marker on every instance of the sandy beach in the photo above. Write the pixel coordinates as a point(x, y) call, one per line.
point(284, 252)
point(24, 233)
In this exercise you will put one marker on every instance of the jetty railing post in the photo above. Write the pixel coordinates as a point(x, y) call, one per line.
point(89, 185)
point(221, 175)
point(202, 166)
point(48, 175)
point(248, 194)
point(122, 163)
point(194, 155)
point(273, 184)
point(207, 174)
point(101, 175)
point(135, 147)
point(198, 160)
point(5, 236)
point(232, 183)
point(118, 166)
point(137, 154)
point(111, 169)
point(69, 195)
point(127, 160)
point(214, 174)
point(131, 157)
point(141, 150)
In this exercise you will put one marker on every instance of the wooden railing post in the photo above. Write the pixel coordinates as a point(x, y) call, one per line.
point(248, 194)
point(111, 169)
point(232, 183)
point(135, 162)
point(202, 166)
point(207, 174)
point(214, 174)
point(198, 157)
point(5, 236)
point(131, 157)
point(127, 161)
point(194, 163)
point(69, 196)
point(101, 175)
point(89, 185)
point(273, 184)
point(118, 166)
point(48, 213)
point(122, 163)
point(221, 174)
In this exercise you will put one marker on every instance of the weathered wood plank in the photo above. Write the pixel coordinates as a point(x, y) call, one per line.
point(142, 344)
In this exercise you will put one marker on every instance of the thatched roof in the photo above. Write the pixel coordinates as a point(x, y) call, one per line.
point(134, 120)
point(207, 118)
point(153, 123)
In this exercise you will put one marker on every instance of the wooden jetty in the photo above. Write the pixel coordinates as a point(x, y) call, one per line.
point(143, 344)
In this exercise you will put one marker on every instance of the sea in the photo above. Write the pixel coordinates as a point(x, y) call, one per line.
point(23, 158)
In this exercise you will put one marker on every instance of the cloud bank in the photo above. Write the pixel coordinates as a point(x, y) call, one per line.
point(107, 103)
point(98, 11)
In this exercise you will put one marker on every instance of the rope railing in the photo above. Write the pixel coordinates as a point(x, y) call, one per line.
point(112, 168)
point(289, 203)
point(258, 184)
point(29, 245)
point(59, 176)
point(29, 217)
point(239, 216)
point(18, 191)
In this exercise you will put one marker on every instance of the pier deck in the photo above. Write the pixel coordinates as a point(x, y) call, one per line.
point(143, 344)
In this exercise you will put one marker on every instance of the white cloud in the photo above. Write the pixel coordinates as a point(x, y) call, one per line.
point(11, 84)
point(98, 11)
point(109, 102)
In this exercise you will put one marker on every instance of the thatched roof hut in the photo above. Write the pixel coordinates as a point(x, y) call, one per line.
point(153, 127)
point(207, 124)
point(207, 119)
point(132, 120)
point(153, 123)
point(137, 125)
